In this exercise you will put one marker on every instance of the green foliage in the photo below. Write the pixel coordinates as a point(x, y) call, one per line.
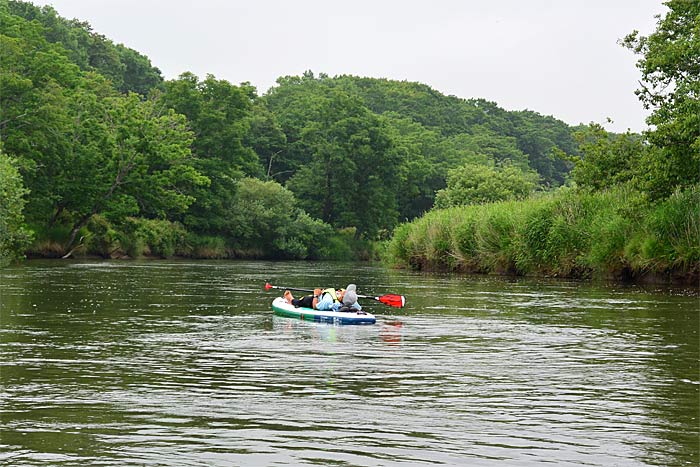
point(419, 173)
point(638, 211)
point(608, 159)
point(152, 237)
point(128, 70)
point(265, 222)
point(571, 233)
point(476, 184)
point(14, 235)
point(102, 237)
point(540, 138)
point(130, 164)
point(670, 66)
point(266, 138)
point(83, 149)
point(346, 168)
point(668, 238)
point(206, 247)
point(218, 113)
point(343, 245)
point(428, 134)
point(497, 235)
point(525, 132)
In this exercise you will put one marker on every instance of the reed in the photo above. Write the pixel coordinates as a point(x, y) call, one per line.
point(566, 233)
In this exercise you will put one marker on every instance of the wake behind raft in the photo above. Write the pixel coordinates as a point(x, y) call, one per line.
point(282, 308)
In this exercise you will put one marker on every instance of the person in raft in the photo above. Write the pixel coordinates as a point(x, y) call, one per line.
point(327, 299)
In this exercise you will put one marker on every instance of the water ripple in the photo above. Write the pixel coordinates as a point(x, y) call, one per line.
point(175, 363)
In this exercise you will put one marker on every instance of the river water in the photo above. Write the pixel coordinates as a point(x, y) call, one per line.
point(161, 363)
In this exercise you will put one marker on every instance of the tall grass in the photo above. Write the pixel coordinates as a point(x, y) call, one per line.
point(567, 233)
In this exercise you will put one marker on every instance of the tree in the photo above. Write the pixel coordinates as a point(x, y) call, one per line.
point(294, 103)
point(420, 172)
point(82, 148)
point(608, 159)
point(139, 75)
point(219, 115)
point(266, 221)
point(14, 236)
point(350, 180)
point(541, 138)
point(266, 138)
point(140, 164)
point(670, 87)
point(476, 184)
point(128, 70)
point(38, 83)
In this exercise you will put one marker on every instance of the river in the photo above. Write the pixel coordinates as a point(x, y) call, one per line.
point(182, 363)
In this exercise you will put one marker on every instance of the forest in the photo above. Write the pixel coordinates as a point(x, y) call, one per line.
point(101, 156)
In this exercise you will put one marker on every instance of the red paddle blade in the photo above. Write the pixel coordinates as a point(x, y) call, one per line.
point(397, 301)
point(268, 286)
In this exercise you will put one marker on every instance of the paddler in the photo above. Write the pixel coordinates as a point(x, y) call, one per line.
point(328, 299)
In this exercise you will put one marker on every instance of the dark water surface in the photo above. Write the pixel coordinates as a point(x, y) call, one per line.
point(183, 364)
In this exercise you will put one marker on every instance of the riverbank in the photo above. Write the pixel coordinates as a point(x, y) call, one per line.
point(613, 234)
point(134, 238)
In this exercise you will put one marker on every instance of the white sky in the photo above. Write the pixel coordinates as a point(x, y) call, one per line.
point(556, 57)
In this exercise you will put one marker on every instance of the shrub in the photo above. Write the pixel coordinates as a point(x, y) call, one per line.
point(102, 238)
point(204, 247)
point(153, 237)
point(14, 235)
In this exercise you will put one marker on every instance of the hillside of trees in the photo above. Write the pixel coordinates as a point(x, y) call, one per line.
point(100, 155)
point(111, 153)
point(632, 209)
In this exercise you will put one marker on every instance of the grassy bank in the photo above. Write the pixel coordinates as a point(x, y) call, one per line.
point(568, 233)
point(149, 238)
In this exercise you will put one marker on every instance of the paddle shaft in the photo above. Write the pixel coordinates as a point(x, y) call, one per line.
point(396, 301)
point(289, 288)
point(309, 290)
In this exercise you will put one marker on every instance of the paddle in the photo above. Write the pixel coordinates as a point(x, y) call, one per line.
point(397, 301)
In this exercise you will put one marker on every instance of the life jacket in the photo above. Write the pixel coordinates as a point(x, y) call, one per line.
point(334, 296)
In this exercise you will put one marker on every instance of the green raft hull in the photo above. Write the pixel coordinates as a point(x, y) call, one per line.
point(282, 308)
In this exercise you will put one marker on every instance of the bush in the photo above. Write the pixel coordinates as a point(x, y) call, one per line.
point(204, 247)
point(151, 237)
point(102, 238)
point(14, 235)
point(476, 184)
point(49, 241)
point(265, 222)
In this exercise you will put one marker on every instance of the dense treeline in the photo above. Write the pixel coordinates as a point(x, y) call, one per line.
point(633, 207)
point(127, 70)
point(115, 161)
point(101, 155)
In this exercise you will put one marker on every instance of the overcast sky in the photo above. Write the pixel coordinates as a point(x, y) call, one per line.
point(556, 57)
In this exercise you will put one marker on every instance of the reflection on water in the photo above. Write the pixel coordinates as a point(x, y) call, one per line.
point(391, 331)
point(183, 363)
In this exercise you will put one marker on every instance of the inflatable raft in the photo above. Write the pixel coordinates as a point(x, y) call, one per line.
point(282, 308)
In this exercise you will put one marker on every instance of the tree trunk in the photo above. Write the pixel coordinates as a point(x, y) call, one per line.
point(76, 228)
point(328, 202)
point(54, 218)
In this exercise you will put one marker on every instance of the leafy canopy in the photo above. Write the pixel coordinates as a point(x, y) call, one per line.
point(14, 237)
point(670, 66)
point(478, 184)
